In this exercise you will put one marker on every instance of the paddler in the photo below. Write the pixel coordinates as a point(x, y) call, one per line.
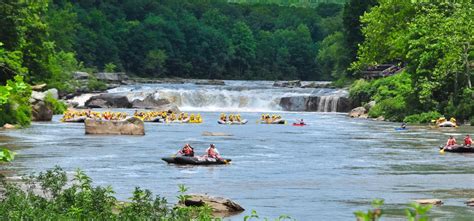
point(187, 151)
point(451, 142)
point(212, 152)
point(467, 141)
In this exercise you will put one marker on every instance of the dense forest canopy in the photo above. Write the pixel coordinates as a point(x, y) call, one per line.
point(291, 3)
point(45, 41)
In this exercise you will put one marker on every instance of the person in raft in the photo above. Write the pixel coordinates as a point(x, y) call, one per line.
point(187, 151)
point(404, 125)
point(451, 142)
point(467, 141)
point(301, 122)
point(212, 152)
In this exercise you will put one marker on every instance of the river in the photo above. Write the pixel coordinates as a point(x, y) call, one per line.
point(324, 171)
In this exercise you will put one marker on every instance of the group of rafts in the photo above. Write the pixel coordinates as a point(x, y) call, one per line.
point(150, 116)
point(451, 145)
point(73, 116)
point(167, 117)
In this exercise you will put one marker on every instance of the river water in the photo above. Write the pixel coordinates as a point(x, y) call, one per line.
point(324, 171)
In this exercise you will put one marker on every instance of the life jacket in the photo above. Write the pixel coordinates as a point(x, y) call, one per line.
point(451, 142)
point(211, 152)
point(467, 141)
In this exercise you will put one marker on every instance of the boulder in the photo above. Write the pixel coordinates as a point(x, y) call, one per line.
point(108, 101)
point(150, 102)
point(38, 87)
point(216, 134)
point(210, 82)
point(317, 85)
point(221, 207)
point(291, 84)
point(429, 201)
point(54, 93)
point(40, 111)
point(9, 126)
point(78, 75)
point(111, 77)
point(294, 103)
point(369, 105)
point(357, 112)
point(37, 96)
point(169, 107)
point(380, 118)
point(130, 126)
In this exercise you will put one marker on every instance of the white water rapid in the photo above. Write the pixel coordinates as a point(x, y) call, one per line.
point(238, 96)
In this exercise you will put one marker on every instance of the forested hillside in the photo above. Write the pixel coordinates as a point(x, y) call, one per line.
point(292, 3)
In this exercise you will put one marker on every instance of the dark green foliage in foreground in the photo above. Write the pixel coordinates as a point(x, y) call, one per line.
point(83, 201)
point(6, 155)
point(414, 212)
point(14, 102)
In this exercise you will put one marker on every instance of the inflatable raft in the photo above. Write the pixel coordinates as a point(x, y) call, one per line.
point(447, 124)
point(299, 124)
point(233, 122)
point(182, 160)
point(75, 120)
point(459, 149)
point(280, 121)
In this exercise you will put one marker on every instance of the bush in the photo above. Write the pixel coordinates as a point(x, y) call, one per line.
point(391, 95)
point(95, 85)
point(83, 201)
point(423, 117)
point(6, 155)
point(393, 109)
point(58, 106)
point(14, 102)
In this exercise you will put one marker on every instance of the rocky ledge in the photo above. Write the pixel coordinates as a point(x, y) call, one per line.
point(221, 207)
point(130, 126)
point(123, 101)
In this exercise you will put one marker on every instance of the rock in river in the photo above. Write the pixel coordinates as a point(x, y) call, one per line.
point(220, 206)
point(429, 201)
point(108, 101)
point(290, 84)
point(358, 112)
point(130, 126)
point(41, 111)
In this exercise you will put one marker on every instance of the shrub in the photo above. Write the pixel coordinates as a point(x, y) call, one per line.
point(14, 102)
point(95, 85)
point(393, 109)
point(58, 106)
point(423, 117)
point(6, 155)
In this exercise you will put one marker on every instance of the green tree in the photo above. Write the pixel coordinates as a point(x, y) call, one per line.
point(243, 47)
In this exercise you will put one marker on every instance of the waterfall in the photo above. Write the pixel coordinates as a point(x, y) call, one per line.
point(328, 103)
point(238, 96)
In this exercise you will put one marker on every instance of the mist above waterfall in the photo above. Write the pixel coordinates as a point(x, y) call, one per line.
point(235, 96)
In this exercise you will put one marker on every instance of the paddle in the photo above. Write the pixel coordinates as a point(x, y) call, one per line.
point(442, 150)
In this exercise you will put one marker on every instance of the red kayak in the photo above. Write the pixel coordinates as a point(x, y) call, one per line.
point(298, 124)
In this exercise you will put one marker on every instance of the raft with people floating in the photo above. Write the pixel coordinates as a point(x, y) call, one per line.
point(299, 124)
point(447, 124)
point(244, 121)
point(458, 149)
point(74, 120)
point(183, 160)
point(278, 121)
